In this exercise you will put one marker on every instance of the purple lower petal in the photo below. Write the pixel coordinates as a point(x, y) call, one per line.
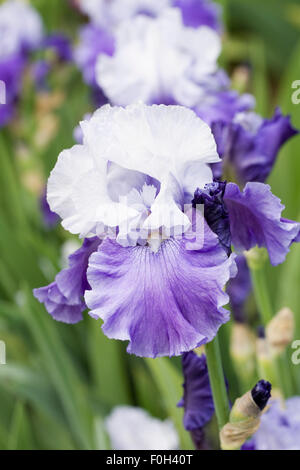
point(164, 303)
point(57, 305)
point(255, 219)
point(63, 298)
point(72, 282)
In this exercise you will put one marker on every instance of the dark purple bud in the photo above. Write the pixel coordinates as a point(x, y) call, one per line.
point(261, 332)
point(261, 393)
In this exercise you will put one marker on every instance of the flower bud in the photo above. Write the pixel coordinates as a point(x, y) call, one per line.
point(242, 351)
point(265, 364)
point(245, 415)
point(280, 330)
point(256, 257)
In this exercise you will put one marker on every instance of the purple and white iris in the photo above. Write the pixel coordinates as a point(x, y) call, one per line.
point(131, 177)
point(157, 279)
point(21, 30)
point(160, 61)
point(109, 14)
point(279, 428)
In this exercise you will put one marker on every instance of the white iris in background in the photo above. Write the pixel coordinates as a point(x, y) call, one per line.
point(159, 60)
point(134, 172)
point(131, 428)
point(110, 13)
point(20, 26)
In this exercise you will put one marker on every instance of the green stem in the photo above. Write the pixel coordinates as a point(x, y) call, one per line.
point(284, 375)
point(261, 295)
point(217, 382)
point(265, 308)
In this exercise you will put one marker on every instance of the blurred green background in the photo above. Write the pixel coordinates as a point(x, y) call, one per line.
point(61, 381)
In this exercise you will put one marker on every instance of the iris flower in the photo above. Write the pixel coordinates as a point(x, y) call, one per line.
point(160, 60)
point(154, 265)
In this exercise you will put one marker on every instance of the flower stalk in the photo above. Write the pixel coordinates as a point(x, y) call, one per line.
point(217, 381)
point(256, 258)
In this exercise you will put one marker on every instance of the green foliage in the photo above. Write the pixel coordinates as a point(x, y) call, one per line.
point(60, 381)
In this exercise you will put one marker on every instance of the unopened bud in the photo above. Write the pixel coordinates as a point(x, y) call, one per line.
point(256, 257)
point(242, 351)
point(280, 330)
point(265, 363)
point(245, 416)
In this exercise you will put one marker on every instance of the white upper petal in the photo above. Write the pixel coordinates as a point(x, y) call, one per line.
point(110, 13)
point(71, 165)
point(158, 58)
point(108, 181)
point(153, 140)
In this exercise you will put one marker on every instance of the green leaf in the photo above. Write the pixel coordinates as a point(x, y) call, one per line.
point(169, 382)
point(73, 397)
point(108, 365)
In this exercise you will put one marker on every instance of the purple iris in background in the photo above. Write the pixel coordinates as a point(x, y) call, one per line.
point(50, 218)
point(279, 428)
point(109, 14)
point(60, 47)
point(200, 12)
point(250, 144)
point(197, 399)
point(11, 70)
point(21, 31)
point(158, 277)
point(248, 218)
point(247, 143)
point(60, 44)
point(239, 289)
point(93, 41)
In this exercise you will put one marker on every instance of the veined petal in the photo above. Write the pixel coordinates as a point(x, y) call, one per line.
point(255, 219)
point(164, 303)
point(63, 298)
